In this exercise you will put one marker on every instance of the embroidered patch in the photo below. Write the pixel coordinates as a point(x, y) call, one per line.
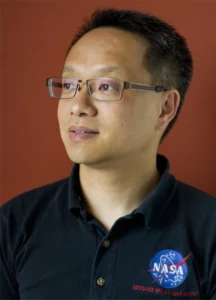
point(168, 268)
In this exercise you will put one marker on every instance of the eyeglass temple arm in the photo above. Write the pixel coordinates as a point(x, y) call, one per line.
point(56, 84)
point(143, 87)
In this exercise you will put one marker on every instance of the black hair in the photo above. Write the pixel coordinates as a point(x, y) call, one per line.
point(168, 58)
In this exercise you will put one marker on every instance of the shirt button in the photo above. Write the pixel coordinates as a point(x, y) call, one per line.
point(106, 243)
point(100, 281)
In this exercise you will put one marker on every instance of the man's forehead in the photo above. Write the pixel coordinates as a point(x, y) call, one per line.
point(97, 55)
point(109, 42)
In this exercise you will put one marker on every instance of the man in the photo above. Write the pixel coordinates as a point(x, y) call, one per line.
point(121, 226)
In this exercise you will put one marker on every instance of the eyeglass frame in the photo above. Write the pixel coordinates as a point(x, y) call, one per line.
point(124, 86)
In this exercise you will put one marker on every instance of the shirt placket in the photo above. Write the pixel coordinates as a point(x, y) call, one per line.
point(103, 267)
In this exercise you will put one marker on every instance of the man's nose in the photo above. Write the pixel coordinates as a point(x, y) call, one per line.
point(82, 103)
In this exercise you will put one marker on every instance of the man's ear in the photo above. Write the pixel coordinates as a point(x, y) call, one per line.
point(169, 106)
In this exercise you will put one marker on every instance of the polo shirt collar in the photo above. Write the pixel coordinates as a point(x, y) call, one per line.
point(153, 206)
point(157, 204)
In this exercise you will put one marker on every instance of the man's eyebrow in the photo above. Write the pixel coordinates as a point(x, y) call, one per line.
point(68, 68)
point(100, 69)
point(109, 69)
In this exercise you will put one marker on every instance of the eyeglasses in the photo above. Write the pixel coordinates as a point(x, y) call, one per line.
point(104, 89)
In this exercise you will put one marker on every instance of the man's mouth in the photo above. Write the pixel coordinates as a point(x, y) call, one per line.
point(84, 131)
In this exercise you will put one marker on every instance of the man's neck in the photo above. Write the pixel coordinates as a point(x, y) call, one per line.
point(110, 193)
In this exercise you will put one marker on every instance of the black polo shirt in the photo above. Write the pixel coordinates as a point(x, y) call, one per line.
point(51, 248)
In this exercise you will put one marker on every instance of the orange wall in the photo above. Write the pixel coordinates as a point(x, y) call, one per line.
point(34, 37)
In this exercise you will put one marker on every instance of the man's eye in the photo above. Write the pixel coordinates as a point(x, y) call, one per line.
point(107, 87)
point(69, 86)
point(104, 87)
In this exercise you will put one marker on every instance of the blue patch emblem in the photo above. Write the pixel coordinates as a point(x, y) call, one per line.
point(168, 268)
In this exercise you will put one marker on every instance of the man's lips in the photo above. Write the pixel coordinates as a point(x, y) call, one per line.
point(81, 133)
point(82, 130)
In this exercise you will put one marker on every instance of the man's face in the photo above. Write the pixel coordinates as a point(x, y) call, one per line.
point(127, 128)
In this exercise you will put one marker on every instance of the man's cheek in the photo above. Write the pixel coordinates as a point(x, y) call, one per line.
point(61, 112)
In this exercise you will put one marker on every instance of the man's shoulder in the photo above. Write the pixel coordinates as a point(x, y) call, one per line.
point(195, 202)
point(32, 198)
point(194, 194)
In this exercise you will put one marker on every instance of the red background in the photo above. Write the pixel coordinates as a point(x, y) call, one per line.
point(35, 35)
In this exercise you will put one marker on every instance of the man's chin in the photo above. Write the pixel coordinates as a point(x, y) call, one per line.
point(84, 159)
point(90, 161)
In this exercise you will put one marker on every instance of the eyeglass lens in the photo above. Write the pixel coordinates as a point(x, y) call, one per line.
point(99, 89)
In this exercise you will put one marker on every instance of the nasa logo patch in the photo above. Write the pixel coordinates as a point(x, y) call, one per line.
point(168, 268)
